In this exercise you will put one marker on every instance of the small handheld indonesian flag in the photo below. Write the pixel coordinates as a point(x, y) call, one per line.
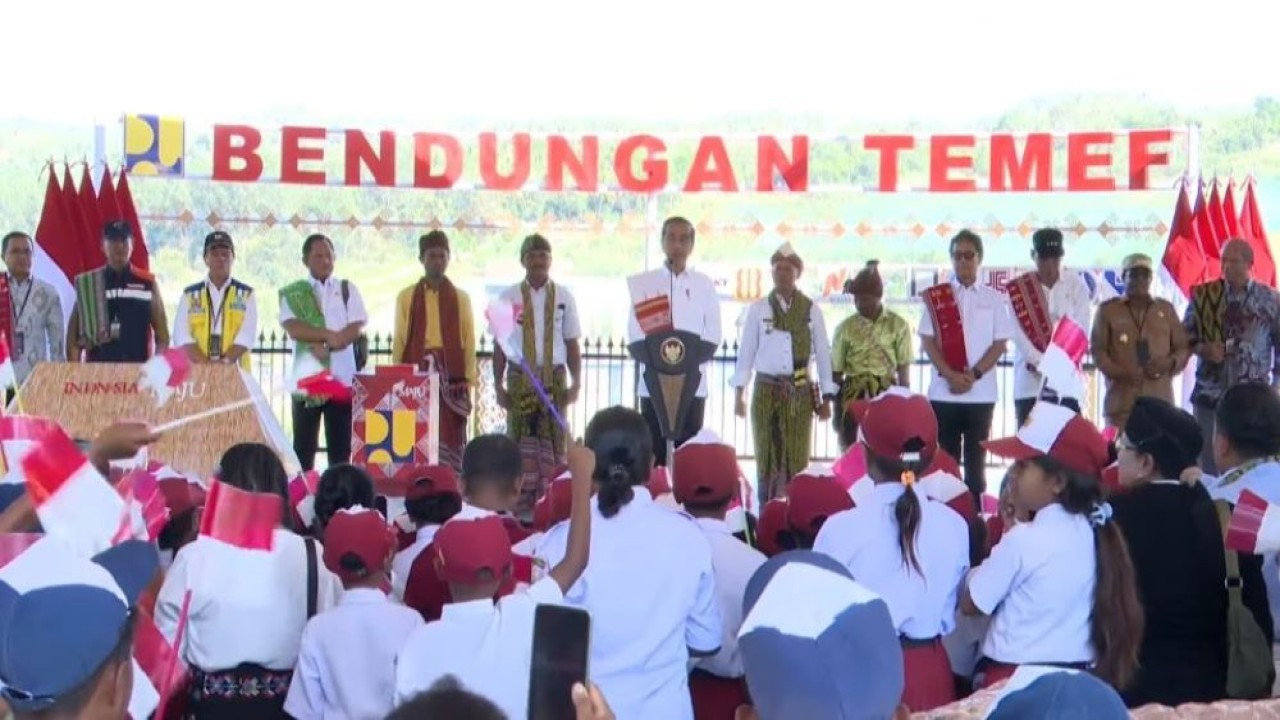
point(1254, 526)
point(312, 379)
point(148, 512)
point(164, 372)
point(302, 495)
point(7, 377)
point(74, 503)
point(501, 317)
point(1060, 365)
point(237, 534)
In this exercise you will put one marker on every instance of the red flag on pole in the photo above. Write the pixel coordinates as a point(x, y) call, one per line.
point(54, 233)
point(1217, 215)
point(89, 206)
point(1254, 231)
point(1209, 240)
point(1229, 210)
point(88, 252)
point(124, 196)
point(108, 204)
point(1184, 259)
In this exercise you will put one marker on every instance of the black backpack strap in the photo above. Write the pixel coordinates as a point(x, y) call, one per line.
point(346, 293)
point(313, 578)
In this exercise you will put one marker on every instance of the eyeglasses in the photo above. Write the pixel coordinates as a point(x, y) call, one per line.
point(964, 255)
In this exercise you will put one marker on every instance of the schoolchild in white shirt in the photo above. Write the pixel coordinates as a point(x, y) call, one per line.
point(1060, 589)
point(488, 646)
point(652, 594)
point(908, 549)
point(706, 479)
point(346, 665)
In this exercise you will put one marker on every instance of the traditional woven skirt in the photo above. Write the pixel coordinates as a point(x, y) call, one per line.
point(245, 692)
point(782, 423)
point(542, 443)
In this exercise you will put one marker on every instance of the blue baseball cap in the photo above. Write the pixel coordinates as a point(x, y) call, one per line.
point(61, 616)
point(1053, 693)
point(817, 645)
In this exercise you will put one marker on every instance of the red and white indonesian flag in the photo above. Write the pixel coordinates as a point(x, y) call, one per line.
point(1254, 526)
point(233, 550)
point(74, 503)
point(18, 435)
point(7, 377)
point(302, 495)
point(1060, 365)
point(501, 317)
point(311, 378)
point(164, 372)
point(148, 513)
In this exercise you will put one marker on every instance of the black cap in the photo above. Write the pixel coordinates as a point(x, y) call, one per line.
point(117, 230)
point(218, 238)
point(1048, 243)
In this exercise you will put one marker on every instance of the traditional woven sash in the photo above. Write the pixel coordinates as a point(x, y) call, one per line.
point(948, 328)
point(1209, 308)
point(301, 299)
point(6, 309)
point(795, 320)
point(91, 298)
point(450, 361)
point(529, 333)
point(1031, 308)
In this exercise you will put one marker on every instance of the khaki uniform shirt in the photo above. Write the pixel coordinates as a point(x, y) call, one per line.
point(1118, 329)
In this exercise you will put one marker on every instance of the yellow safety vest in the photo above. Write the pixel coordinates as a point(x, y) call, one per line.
point(201, 313)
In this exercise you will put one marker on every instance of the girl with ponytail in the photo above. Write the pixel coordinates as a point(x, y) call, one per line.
point(908, 549)
point(1061, 588)
point(649, 588)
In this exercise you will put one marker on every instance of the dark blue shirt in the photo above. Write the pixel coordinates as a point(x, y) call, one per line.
point(129, 299)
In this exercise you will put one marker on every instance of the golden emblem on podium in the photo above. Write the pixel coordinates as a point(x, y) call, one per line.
point(672, 351)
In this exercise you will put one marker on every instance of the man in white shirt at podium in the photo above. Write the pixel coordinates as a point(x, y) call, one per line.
point(695, 308)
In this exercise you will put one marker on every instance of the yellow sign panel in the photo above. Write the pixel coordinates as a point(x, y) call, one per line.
point(154, 145)
point(389, 435)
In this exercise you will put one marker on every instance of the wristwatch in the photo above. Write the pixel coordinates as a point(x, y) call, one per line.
point(977, 373)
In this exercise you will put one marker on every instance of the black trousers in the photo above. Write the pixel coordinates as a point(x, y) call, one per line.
point(1022, 407)
point(692, 424)
point(961, 429)
point(337, 432)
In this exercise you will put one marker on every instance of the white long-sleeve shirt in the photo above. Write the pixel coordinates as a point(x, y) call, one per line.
point(694, 307)
point(767, 350)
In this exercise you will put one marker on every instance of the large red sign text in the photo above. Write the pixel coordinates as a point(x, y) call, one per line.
point(640, 163)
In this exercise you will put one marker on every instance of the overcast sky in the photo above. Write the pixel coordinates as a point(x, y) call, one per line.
point(442, 59)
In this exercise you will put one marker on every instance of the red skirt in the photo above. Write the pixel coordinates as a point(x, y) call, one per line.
point(993, 671)
point(927, 672)
point(715, 697)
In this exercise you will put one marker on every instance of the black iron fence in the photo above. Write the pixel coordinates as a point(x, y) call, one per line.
point(610, 378)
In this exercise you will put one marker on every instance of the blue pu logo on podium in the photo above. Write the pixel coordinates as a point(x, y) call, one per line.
point(389, 436)
point(154, 145)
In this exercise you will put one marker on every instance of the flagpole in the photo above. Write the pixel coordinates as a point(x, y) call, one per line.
point(202, 415)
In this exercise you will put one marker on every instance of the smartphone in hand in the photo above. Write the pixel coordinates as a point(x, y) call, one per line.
point(561, 645)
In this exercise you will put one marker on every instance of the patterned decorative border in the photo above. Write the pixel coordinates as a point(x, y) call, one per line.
point(598, 225)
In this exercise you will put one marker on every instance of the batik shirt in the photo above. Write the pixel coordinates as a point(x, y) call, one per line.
point(37, 325)
point(1252, 329)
